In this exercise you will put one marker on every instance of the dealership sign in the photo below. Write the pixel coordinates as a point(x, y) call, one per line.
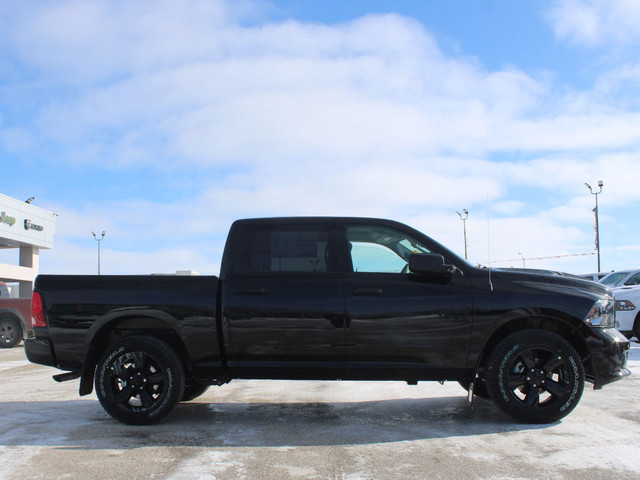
point(23, 224)
point(29, 225)
point(8, 219)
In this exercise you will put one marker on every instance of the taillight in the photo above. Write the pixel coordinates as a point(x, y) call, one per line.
point(37, 312)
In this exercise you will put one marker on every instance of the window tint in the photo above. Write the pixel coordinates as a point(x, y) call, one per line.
point(290, 249)
point(633, 280)
point(381, 249)
point(614, 278)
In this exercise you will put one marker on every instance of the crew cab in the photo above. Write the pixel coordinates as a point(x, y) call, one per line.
point(329, 298)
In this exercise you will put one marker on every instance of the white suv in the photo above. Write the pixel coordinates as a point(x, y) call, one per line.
point(622, 277)
point(628, 310)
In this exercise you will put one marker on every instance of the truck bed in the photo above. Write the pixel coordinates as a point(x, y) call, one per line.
point(78, 307)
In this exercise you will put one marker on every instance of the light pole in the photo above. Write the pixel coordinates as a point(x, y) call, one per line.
point(464, 227)
point(595, 211)
point(523, 264)
point(99, 240)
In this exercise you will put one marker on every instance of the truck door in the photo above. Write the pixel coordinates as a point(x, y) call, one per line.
point(399, 324)
point(285, 306)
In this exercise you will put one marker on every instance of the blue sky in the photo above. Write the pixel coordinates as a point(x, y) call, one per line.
point(161, 122)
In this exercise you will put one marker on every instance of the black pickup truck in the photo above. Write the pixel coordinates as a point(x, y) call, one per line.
point(326, 299)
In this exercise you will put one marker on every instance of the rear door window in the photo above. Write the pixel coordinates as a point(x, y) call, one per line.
point(292, 248)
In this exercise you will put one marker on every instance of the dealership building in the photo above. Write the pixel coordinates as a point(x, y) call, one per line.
point(28, 229)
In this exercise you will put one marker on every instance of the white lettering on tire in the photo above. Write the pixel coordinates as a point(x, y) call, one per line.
point(576, 382)
point(103, 371)
point(501, 372)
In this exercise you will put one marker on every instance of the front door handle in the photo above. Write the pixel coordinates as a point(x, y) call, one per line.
point(368, 292)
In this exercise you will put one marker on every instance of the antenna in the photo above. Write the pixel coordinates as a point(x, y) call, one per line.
point(489, 244)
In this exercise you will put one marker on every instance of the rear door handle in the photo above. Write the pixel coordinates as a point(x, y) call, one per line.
point(368, 292)
point(251, 291)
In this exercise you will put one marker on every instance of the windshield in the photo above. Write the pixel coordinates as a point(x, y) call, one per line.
point(614, 278)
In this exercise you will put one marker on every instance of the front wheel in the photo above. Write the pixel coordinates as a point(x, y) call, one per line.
point(535, 376)
point(139, 380)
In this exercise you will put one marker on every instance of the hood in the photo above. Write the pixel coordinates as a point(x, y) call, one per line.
point(552, 280)
point(628, 292)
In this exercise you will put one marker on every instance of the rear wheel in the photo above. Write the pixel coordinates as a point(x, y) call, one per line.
point(10, 332)
point(139, 380)
point(535, 376)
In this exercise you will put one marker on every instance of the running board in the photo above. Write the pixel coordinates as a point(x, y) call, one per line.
point(63, 377)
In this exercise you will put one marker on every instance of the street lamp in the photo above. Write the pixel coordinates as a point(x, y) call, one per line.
point(523, 264)
point(595, 211)
point(464, 227)
point(99, 240)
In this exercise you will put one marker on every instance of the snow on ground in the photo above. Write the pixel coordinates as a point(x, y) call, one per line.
point(312, 430)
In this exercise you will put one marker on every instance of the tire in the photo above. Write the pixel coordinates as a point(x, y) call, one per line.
point(139, 380)
point(194, 390)
point(535, 376)
point(10, 332)
point(479, 387)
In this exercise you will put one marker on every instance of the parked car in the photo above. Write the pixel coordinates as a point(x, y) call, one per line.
point(15, 318)
point(596, 277)
point(620, 278)
point(628, 310)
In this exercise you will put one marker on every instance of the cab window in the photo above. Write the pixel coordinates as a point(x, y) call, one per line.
point(295, 248)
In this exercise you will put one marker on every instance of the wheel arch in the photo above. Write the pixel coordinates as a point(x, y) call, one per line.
point(128, 324)
point(545, 323)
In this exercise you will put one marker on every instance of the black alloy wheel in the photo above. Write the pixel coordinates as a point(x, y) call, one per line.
point(10, 332)
point(535, 376)
point(139, 380)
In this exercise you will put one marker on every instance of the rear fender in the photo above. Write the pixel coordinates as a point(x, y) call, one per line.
point(122, 323)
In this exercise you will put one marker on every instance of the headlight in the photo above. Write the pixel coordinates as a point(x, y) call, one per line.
point(624, 305)
point(602, 314)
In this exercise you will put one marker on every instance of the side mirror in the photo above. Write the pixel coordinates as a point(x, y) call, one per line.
point(429, 263)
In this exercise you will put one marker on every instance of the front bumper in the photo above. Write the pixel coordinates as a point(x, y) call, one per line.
point(609, 355)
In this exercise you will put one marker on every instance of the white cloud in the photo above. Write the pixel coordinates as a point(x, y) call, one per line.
point(369, 117)
point(378, 86)
point(597, 23)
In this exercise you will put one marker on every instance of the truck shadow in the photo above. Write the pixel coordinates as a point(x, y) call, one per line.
point(82, 424)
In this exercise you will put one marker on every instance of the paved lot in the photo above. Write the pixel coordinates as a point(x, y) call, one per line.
point(311, 430)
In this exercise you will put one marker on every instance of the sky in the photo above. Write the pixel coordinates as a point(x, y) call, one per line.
point(161, 122)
